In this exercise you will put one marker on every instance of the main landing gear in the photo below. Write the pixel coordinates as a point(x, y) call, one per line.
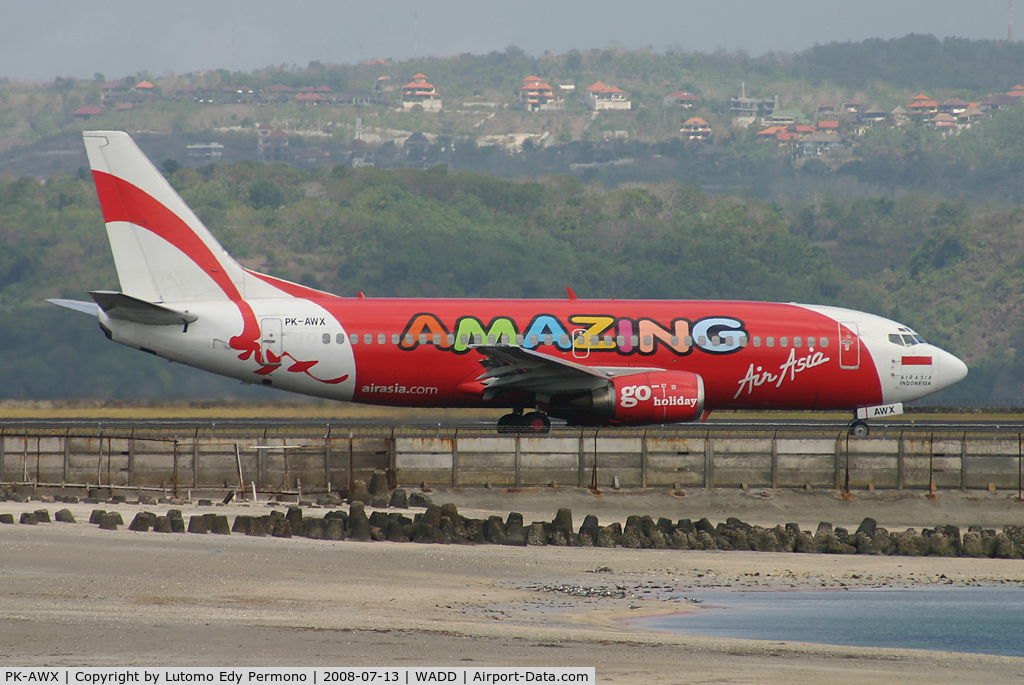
point(859, 429)
point(536, 422)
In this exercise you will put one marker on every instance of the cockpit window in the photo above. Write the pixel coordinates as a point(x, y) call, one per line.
point(920, 340)
point(909, 340)
point(896, 339)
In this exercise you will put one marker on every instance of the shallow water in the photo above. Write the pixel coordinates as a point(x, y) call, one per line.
point(981, 620)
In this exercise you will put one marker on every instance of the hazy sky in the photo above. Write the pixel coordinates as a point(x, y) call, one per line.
point(47, 38)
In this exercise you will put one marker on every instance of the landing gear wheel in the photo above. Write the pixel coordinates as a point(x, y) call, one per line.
point(536, 422)
point(859, 429)
point(509, 423)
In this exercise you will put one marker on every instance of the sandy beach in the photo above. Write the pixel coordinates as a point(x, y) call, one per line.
point(75, 595)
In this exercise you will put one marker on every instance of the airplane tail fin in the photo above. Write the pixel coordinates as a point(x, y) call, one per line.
point(162, 251)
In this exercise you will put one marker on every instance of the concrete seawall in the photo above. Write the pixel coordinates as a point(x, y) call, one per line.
point(318, 458)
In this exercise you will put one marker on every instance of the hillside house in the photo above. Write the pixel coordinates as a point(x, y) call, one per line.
point(86, 113)
point(872, 115)
point(969, 116)
point(953, 106)
point(683, 99)
point(536, 95)
point(272, 144)
point(420, 92)
point(602, 96)
point(820, 143)
point(753, 107)
point(785, 117)
point(922, 106)
point(941, 122)
point(206, 150)
point(696, 128)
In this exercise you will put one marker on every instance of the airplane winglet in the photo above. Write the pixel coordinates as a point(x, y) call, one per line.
point(572, 295)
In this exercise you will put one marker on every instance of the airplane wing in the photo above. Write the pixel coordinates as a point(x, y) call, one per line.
point(511, 367)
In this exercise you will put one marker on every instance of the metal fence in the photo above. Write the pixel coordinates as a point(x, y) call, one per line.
point(319, 458)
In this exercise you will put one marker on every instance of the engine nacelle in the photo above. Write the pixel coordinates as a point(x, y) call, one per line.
point(651, 397)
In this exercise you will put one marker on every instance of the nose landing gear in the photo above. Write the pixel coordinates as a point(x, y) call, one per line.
point(859, 429)
point(536, 422)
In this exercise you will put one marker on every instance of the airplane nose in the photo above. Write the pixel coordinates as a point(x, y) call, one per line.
point(950, 369)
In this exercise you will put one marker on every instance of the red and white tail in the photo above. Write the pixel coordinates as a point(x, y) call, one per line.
point(162, 251)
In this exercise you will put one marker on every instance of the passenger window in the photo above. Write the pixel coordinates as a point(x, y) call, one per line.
point(490, 340)
point(548, 339)
point(519, 338)
point(783, 341)
point(594, 340)
point(368, 338)
point(688, 341)
point(824, 341)
point(354, 339)
point(620, 340)
point(769, 341)
point(409, 339)
point(395, 337)
point(674, 341)
point(810, 342)
point(743, 341)
point(437, 338)
point(702, 341)
point(464, 339)
point(451, 339)
point(340, 338)
point(608, 340)
point(382, 339)
point(503, 339)
point(715, 341)
point(634, 340)
point(647, 341)
point(728, 341)
point(534, 340)
point(326, 338)
point(797, 342)
point(757, 341)
point(477, 339)
point(563, 341)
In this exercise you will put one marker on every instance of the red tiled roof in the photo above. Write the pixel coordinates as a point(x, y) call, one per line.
point(828, 124)
point(598, 87)
point(695, 121)
point(144, 84)
point(88, 110)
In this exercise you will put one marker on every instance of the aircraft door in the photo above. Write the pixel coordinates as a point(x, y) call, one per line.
point(849, 345)
point(271, 340)
point(580, 343)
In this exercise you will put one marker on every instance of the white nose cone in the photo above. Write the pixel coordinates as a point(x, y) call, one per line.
point(949, 369)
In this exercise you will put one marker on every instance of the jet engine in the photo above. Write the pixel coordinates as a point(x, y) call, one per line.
point(650, 397)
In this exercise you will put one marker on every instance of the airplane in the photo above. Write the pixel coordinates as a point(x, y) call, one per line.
point(587, 361)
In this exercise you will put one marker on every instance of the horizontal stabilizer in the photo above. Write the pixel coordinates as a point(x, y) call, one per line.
point(77, 305)
point(128, 308)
